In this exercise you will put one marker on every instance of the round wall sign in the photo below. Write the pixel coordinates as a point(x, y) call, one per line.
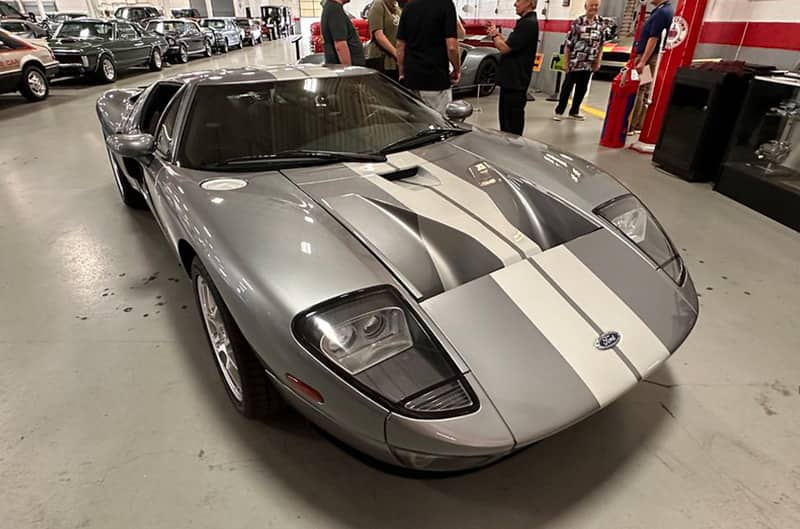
point(677, 32)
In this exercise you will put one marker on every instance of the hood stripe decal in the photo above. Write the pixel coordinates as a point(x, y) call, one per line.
point(426, 203)
point(603, 372)
point(586, 317)
point(639, 343)
point(471, 199)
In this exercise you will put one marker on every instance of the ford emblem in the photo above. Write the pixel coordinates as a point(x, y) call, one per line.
point(608, 340)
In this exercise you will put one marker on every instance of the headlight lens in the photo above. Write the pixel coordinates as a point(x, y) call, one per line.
point(374, 341)
point(634, 220)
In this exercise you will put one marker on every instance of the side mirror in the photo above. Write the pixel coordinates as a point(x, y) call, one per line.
point(458, 110)
point(131, 145)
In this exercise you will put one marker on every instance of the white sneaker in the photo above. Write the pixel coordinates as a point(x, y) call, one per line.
point(556, 117)
point(577, 117)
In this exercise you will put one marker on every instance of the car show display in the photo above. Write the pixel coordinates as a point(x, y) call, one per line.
point(100, 49)
point(26, 67)
point(392, 273)
point(184, 38)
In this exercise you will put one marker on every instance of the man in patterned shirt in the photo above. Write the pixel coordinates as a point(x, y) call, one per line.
point(582, 52)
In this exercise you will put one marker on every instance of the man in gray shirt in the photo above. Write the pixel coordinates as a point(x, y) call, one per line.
point(342, 45)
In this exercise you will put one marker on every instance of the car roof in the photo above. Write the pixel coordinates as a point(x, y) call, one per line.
point(92, 20)
point(285, 72)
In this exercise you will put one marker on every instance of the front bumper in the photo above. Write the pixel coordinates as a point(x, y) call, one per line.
point(51, 70)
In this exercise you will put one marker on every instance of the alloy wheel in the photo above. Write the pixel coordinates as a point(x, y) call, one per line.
point(37, 83)
point(218, 335)
point(109, 72)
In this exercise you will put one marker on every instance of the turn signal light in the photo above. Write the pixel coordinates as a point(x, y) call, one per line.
point(304, 389)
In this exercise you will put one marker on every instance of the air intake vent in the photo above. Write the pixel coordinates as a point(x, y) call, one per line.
point(447, 397)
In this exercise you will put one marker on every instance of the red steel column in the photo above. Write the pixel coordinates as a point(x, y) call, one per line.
point(679, 51)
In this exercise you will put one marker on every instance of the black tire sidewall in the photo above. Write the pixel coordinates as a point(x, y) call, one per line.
point(25, 88)
point(487, 63)
point(183, 54)
point(259, 397)
point(153, 66)
point(101, 73)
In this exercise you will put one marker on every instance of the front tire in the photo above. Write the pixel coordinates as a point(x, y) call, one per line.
point(106, 70)
point(34, 85)
point(156, 61)
point(225, 48)
point(246, 382)
point(183, 54)
point(209, 50)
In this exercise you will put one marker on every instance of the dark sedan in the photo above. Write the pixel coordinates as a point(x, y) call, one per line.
point(101, 48)
point(185, 38)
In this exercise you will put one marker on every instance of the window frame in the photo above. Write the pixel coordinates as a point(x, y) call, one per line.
point(179, 102)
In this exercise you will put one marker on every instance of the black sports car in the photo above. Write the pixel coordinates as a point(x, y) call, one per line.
point(185, 38)
point(101, 48)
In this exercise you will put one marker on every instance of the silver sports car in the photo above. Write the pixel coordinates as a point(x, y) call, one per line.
point(433, 294)
point(479, 66)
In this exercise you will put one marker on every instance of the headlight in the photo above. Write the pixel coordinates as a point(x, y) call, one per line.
point(170, 41)
point(375, 342)
point(634, 220)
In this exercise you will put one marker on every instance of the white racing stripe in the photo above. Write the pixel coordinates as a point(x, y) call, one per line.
point(425, 203)
point(471, 198)
point(639, 344)
point(603, 372)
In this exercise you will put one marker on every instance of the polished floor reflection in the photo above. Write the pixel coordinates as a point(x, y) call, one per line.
point(112, 414)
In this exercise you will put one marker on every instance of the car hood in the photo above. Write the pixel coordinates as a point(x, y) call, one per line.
point(495, 237)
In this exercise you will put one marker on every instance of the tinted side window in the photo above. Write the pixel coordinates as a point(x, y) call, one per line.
point(14, 27)
point(125, 32)
point(165, 135)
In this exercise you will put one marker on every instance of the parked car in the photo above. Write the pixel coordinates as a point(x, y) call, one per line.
point(224, 32)
point(191, 13)
point(8, 10)
point(478, 68)
point(250, 30)
point(26, 67)
point(137, 13)
point(435, 295)
point(52, 20)
point(185, 38)
point(24, 29)
point(102, 48)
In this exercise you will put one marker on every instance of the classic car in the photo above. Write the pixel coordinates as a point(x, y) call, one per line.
point(102, 48)
point(185, 38)
point(137, 13)
point(250, 30)
point(478, 68)
point(225, 32)
point(190, 12)
point(51, 21)
point(8, 10)
point(433, 294)
point(25, 67)
point(24, 29)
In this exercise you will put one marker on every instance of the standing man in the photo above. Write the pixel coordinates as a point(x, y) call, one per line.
point(516, 65)
point(647, 48)
point(582, 52)
point(342, 45)
point(426, 47)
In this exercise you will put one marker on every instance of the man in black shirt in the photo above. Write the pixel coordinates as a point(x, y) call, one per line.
point(426, 45)
point(342, 45)
point(516, 65)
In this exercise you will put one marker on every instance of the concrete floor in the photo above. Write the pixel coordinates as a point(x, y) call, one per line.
point(112, 415)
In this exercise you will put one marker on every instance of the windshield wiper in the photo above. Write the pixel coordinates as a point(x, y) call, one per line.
point(421, 137)
point(302, 156)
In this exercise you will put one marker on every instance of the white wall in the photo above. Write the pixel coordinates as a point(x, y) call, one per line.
point(753, 10)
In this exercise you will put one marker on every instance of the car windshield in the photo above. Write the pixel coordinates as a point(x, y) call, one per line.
point(216, 24)
point(84, 30)
point(361, 114)
point(161, 26)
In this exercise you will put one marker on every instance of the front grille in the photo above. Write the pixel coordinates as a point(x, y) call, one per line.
point(68, 59)
point(447, 397)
